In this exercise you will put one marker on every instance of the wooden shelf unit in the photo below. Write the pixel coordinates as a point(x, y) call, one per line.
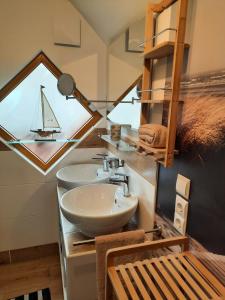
point(163, 50)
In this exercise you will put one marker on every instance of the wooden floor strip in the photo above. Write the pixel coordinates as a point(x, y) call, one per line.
point(169, 279)
point(128, 282)
point(159, 281)
point(148, 281)
point(188, 278)
point(210, 261)
point(199, 278)
point(117, 285)
point(210, 277)
point(178, 278)
point(138, 282)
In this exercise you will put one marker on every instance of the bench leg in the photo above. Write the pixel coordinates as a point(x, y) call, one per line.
point(108, 290)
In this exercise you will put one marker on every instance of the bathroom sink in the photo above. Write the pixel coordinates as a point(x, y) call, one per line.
point(76, 175)
point(98, 209)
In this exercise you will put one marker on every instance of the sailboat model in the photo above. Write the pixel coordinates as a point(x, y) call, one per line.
point(50, 124)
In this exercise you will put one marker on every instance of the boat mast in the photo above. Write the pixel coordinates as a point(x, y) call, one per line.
point(42, 105)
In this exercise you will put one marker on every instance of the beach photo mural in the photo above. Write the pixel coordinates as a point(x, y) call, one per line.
point(201, 115)
point(201, 158)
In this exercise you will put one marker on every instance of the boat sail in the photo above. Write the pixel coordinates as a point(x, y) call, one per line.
point(50, 124)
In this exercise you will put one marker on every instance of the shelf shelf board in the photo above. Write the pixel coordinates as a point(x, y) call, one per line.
point(119, 145)
point(158, 152)
point(154, 101)
point(158, 101)
point(40, 141)
point(162, 50)
point(150, 149)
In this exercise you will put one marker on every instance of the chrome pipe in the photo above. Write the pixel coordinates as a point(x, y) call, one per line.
point(89, 241)
point(100, 100)
point(164, 30)
point(156, 89)
point(156, 35)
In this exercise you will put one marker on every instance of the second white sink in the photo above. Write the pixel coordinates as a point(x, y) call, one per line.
point(98, 209)
point(76, 175)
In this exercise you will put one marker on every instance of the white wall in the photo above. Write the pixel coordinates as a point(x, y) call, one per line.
point(26, 27)
point(28, 214)
point(146, 193)
point(205, 31)
point(123, 67)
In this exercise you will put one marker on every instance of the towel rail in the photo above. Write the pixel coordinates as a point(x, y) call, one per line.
point(156, 35)
point(89, 241)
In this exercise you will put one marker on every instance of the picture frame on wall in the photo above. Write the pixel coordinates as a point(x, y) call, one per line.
point(134, 36)
point(67, 28)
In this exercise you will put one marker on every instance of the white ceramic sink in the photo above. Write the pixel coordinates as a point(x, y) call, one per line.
point(76, 175)
point(98, 209)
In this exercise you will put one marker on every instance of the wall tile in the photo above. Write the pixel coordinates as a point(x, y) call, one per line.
point(146, 195)
point(27, 200)
point(28, 231)
point(28, 215)
point(15, 170)
point(4, 258)
point(20, 255)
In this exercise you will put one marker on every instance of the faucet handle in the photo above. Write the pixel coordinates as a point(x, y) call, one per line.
point(121, 174)
point(102, 154)
point(103, 158)
point(121, 163)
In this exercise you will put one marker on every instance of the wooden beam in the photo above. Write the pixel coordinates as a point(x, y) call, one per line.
point(148, 65)
point(176, 77)
point(158, 8)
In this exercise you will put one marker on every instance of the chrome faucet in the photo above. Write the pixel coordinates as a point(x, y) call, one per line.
point(115, 163)
point(125, 181)
point(109, 162)
point(103, 157)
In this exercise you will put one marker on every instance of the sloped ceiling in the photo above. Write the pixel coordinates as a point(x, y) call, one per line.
point(111, 17)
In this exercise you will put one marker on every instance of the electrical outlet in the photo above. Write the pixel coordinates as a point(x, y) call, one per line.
point(179, 223)
point(183, 186)
point(181, 207)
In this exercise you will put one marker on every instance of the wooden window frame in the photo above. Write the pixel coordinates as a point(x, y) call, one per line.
point(14, 82)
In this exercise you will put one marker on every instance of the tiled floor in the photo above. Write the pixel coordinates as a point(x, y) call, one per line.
point(24, 277)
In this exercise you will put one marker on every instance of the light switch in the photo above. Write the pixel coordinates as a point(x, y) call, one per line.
point(183, 186)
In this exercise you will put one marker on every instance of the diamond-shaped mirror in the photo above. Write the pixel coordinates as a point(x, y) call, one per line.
point(36, 120)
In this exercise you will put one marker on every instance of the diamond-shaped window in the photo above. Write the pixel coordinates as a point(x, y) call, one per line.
point(36, 120)
point(128, 113)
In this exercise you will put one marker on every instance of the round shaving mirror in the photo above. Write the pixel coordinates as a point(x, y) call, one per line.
point(66, 84)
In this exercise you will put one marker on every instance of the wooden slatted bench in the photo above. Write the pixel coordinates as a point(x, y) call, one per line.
point(174, 276)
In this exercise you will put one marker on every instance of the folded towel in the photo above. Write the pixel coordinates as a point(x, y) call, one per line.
point(153, 134)
point(146, 138)
point(103, 244)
